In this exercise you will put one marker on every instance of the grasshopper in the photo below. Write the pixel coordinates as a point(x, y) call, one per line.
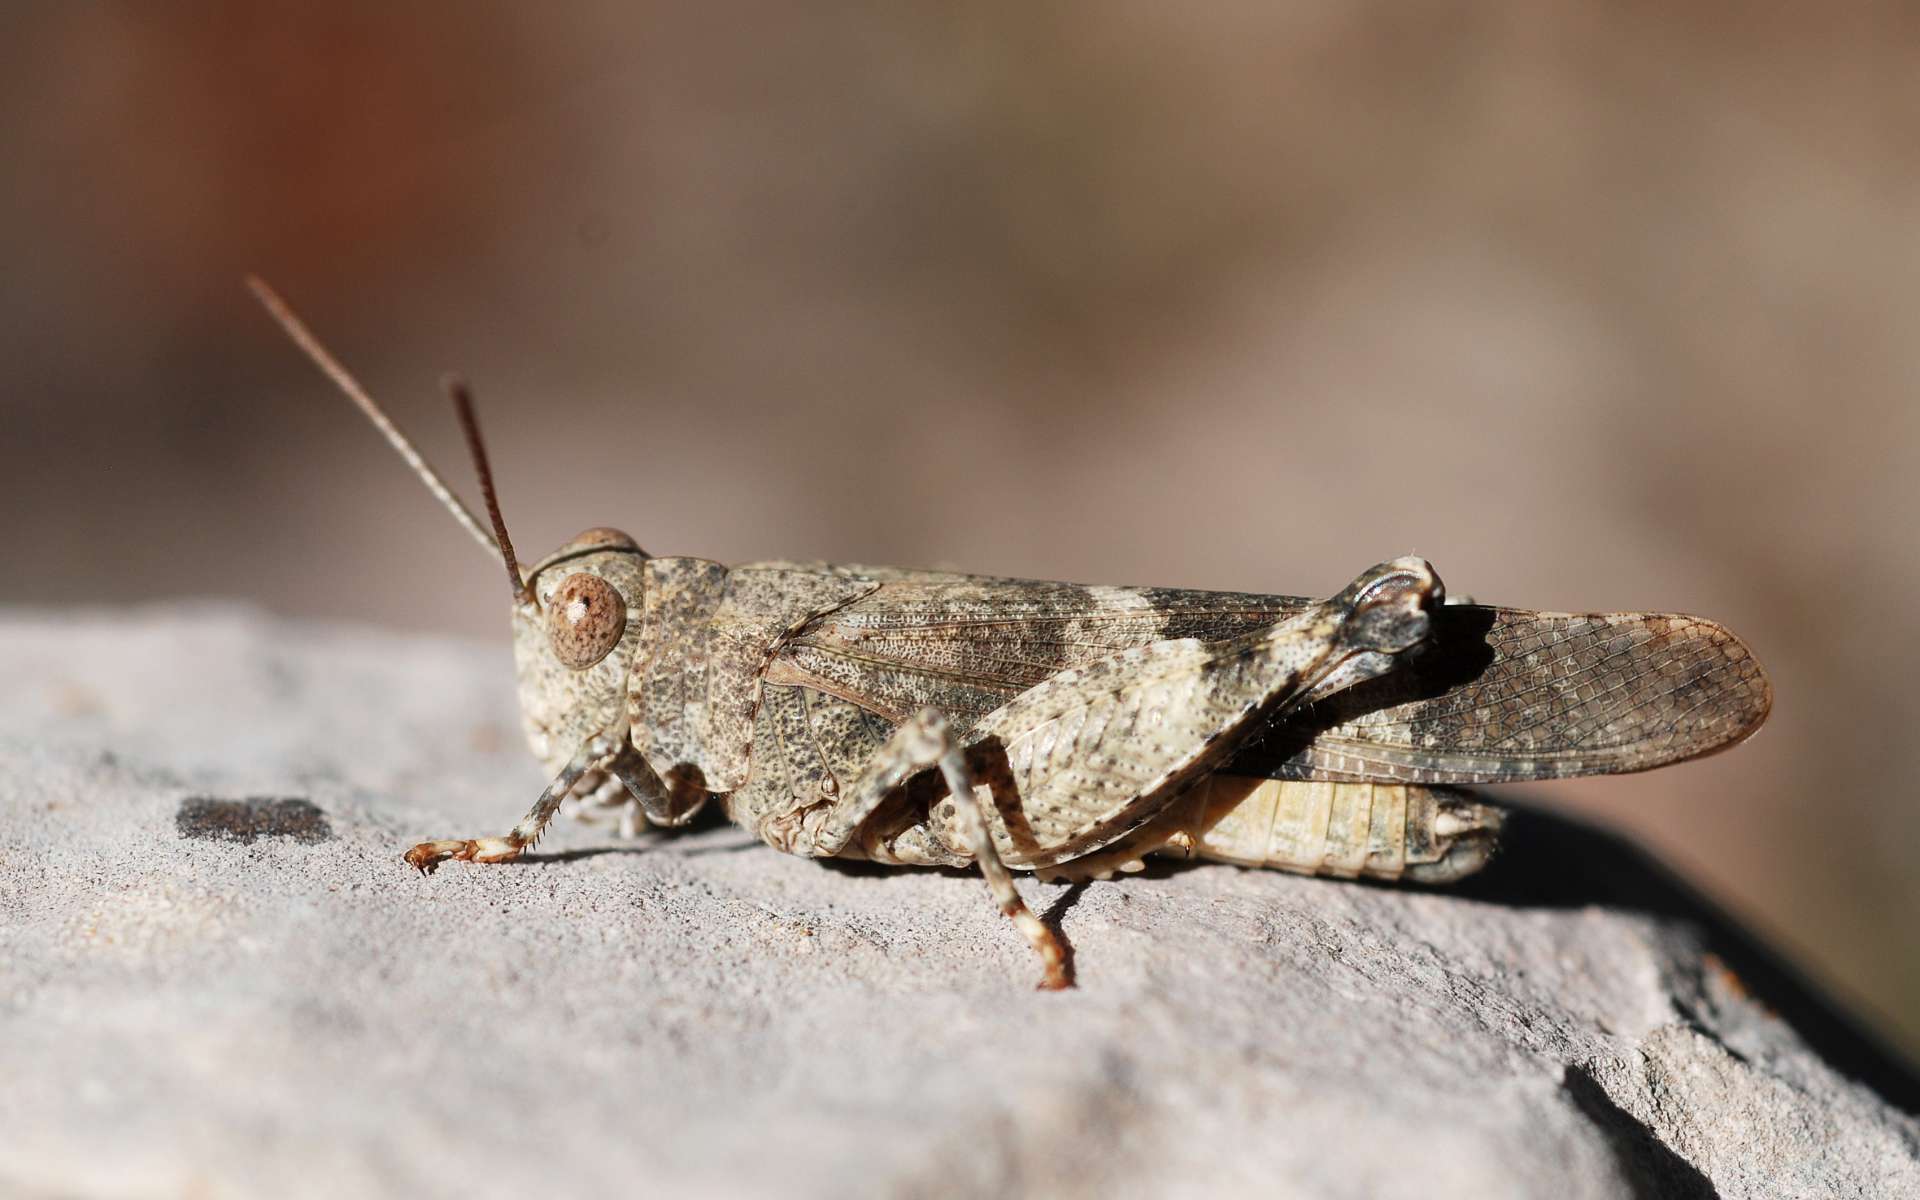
point(927, 718)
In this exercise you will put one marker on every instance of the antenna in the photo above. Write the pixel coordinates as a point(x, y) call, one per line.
point(303, 337)
point(463, 406)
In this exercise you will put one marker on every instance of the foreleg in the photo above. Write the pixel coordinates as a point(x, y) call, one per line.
point(428, 855)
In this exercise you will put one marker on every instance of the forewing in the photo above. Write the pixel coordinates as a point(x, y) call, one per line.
point(968, 644)
point(1500, 695)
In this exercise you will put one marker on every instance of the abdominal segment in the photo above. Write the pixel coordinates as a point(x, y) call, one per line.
point(1349, 830)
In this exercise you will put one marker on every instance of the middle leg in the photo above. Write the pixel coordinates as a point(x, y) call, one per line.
point(926, 741)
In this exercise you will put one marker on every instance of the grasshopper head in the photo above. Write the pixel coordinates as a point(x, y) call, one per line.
point(575, 616)
point(576, 630)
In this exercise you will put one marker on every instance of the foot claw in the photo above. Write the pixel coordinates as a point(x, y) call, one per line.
point(427, 856)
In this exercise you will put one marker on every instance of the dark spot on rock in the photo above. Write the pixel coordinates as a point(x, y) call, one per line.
point(252, 818)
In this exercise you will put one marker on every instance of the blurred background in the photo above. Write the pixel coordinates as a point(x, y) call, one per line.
point(1596, 305)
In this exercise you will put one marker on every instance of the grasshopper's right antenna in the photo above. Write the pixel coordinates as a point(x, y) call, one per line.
point(303, 337)
point(470, 425)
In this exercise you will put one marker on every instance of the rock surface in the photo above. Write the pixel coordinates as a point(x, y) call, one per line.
point(205, 996)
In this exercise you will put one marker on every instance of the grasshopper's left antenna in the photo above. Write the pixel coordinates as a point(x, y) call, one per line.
point(303, 337)
point(470, 425)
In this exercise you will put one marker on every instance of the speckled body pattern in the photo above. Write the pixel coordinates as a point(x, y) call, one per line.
point(1497, 695)
point(932, 718)
point(878, 713)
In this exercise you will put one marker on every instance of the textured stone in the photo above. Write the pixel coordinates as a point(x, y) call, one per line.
point(182, 1015)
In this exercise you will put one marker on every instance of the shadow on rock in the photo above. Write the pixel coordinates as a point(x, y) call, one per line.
point(1654, 1171)
point(1552, 861)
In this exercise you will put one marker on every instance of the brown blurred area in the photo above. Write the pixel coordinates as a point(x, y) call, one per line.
point(1596, 305)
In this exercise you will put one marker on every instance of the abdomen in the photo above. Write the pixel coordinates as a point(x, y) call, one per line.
point(1349, 830)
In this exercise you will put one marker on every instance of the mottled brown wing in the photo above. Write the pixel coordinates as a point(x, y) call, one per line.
point(968, 644)
point(1500, 694)
point(1503, 695)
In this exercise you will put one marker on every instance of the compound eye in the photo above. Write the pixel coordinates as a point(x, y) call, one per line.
point(585, 619)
